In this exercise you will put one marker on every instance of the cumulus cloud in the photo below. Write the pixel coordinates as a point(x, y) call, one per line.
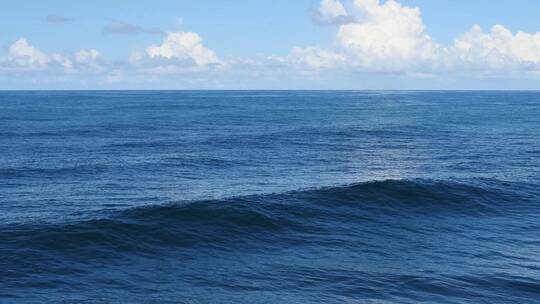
point(24, 57)
point(381, 36)
point(63, 61)
point(331, 11)
point(387, 36)
point(498, 49)
point(183, 46)
point(315, 57)
point(390, 37)
point(123, 28)
point(375, 36)
point(22, 54)
point(179, 53)
point(87, 56)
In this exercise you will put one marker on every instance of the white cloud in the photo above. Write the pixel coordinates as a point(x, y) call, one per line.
point(498, 49)
point(90, 61)
point(387, 36)
point(315, 57)
point(179, 53)
point(370, 36)
point(183, 46)
point(87, 57)
point(331, 11)
point(66, 63)
point(24, 55)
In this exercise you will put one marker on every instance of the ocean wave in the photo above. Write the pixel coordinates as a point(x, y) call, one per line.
point(224, 222)
point(322, 239)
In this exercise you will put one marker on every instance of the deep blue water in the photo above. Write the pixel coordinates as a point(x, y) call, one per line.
point(269, 197)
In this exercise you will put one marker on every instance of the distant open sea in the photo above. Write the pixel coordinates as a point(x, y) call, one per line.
point(269, 197)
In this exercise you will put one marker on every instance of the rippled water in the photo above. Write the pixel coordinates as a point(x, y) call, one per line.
point(270, 197)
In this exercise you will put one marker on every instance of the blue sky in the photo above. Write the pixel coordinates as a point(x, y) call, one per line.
point(240, 44)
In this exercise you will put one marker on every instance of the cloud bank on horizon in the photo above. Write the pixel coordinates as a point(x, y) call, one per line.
point(372, 38)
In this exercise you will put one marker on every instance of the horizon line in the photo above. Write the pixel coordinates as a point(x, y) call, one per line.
point(276, 90)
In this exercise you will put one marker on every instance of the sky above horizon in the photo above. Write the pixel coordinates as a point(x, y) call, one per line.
point(241, 44)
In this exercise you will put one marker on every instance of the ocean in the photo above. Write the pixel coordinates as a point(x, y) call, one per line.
point(269, 197)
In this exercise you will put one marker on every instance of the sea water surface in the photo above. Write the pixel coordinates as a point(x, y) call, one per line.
point(269, 197)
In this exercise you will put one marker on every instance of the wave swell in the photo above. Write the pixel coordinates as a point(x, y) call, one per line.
point(263, 217)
